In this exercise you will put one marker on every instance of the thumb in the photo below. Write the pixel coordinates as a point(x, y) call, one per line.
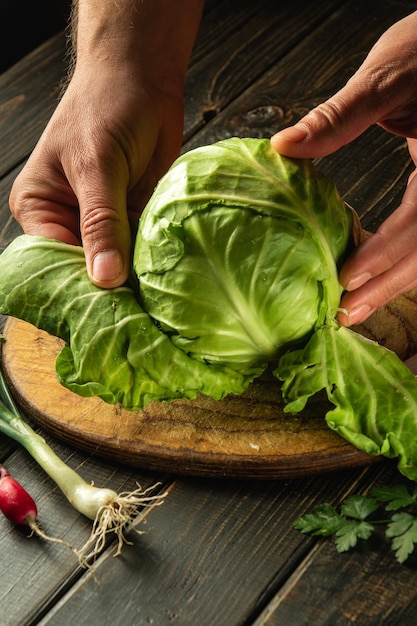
point(105, 233)
point(330, 125)
point(381, 91)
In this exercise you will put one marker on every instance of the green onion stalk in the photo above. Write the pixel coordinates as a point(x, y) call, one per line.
point(112, 513)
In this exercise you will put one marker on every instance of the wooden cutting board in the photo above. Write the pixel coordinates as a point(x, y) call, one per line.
point(248, 436)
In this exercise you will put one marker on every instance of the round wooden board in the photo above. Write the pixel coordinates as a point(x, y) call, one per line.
point(248, 436)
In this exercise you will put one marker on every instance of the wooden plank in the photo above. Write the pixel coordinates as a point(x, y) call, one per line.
point(210, 555)
point(371, 174)
point(236, 43)
point(365, 587)
point(28, 96)
point(35, 573)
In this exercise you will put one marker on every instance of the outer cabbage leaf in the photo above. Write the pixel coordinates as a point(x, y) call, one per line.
point(374, 393)
point(114, 350)
point(238, 250)
point(237, 256)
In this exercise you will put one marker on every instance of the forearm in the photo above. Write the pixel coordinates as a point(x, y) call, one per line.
point(150, 38)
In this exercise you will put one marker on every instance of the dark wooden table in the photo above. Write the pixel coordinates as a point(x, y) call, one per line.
point(218, 551)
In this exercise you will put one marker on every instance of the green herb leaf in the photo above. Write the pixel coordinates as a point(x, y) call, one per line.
point(324, 521)
point(403, 531)
point(359, 507)
point(352, 522)
point(397, 496)
point(348, 534)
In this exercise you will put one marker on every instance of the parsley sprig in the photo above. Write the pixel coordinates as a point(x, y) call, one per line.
point(357, 519)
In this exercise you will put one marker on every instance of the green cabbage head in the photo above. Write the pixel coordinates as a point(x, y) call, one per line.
point(238, 252)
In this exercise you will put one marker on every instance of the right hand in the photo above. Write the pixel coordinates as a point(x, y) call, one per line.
point(96, 165)
point(115, 132)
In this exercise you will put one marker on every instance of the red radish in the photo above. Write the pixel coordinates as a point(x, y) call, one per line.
point(15, 502)
point(18, 506)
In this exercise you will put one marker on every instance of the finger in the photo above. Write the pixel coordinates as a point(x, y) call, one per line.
point(412, 149)
point(384, 265)
point(44, 208)
point(393, 241)
point(380, 91)
point(105, 230)
point(330, 125)
point(358, 305)
point(107, 244)
point(46, 218)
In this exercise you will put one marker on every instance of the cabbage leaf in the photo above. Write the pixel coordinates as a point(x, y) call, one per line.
point(373, 391)
point(235, 265)
point(113, 348)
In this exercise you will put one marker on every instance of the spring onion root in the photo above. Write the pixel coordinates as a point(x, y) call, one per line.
point(112, 513)
point(115, 517)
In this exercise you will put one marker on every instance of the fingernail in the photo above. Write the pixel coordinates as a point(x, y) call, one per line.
point(293, 134)
point(107, 265)
point(358, 281)
point(359, 314)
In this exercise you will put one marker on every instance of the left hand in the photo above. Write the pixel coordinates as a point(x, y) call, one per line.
point(382, 91)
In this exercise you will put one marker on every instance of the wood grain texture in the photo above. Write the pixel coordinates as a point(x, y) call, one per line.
point(237, 44)
point(299, 78)
point(246, 436)
point(28, 96)
point(364, 587)
point(372, 171)
point(205, 555)
point(35, 574)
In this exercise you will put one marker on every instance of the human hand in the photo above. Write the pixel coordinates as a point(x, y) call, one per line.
point(115, 132)
point(382, 91)
point(95, 166)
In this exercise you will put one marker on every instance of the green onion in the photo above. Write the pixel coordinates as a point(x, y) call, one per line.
point(111, 512)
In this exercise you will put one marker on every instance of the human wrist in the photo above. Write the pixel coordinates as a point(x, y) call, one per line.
point(152, 40)
point(103, 31)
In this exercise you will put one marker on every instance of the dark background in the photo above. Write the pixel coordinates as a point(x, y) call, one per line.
point(26, 24)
